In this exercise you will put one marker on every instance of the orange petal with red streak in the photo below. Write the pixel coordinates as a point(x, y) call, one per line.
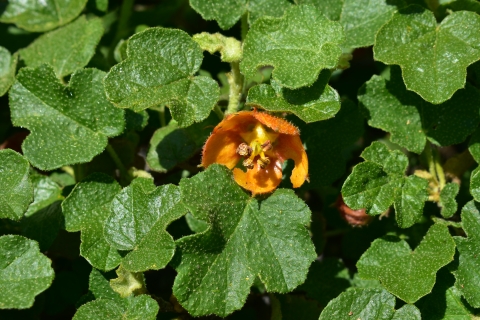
point(290, 147)
point(259, 180)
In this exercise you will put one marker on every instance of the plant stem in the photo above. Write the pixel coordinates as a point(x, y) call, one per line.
point(123, 171)
point(218, 112)
point(125, 13)
point(161, 115)
point(244, 26)
point(235, 80)
point(439, 169)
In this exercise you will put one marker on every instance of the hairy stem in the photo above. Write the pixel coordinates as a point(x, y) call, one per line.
point(235, 80)
point(123, 171)
point(218, 111)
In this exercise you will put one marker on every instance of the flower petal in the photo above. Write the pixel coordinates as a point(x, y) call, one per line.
point(221, 147)
point(259, 180)
point(291, 147)
point(278, 125)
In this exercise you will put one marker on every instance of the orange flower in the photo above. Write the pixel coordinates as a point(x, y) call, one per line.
point(264, 142)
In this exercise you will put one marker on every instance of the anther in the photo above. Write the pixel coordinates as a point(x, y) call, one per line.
point(267, 145)
point(244, 150)
point(263, 162)
point(248, 163)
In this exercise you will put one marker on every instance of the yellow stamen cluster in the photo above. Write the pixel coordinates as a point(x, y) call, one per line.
point(260, 143)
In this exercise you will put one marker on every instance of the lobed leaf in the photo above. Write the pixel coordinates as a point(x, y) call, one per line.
point(8, 65)
point(141, 307)
point(315, 103)
point(24, 272)
point(298, 45)
point(15, 185)
point(447, 199)
point(433, 57)
point(228, 12)
point(246, 238)
point(159, 70)
point(86, 209)
point(406, 274)
point(66, 49)
point(40, 16)
point(139, 216)
point(468, 272)
point(68, 124)
point(411, 121)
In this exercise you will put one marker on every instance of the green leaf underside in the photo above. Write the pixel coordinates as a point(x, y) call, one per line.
point(172, 145)
point(140, 307)
point(445, 301)
point(305, 43)
point(447, 199)
point(86, 209)
point(24, 272)
point(128, 283)
point(406, 274)
point(325, 142)
point(411, 120)
point(315, 103)
point(66, 49)
point(16, 188)
point(40, 16)
point(246, 238)
point(8, 64)
point(159, 70)
point(375, 304)
point(468, 272)
point(228, 12)
point(433, 57)
point(379, 181)
point(138, 219)
point(68, 124)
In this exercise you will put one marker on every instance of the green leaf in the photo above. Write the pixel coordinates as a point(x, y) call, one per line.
point(474, 145)
point(171, 145)
point(360, 304)
point(8, 65)
point(447, 199)
point(24, 272)
point(468, 273)
point(40, 16)
point(445, 301)
point(326, 280)
point(298, 45)
point(128, 283)
point(230, 48)
point(406, 274)
point(433, 58)
point(228, 12)
point(408, 311)
point(86, 209)
point(246, 238)
point(141, 307)
point(327, 142)
point(43, 225)
point(45, 192)
point(99, 286)
point(411, 120)
point(155, 74)
point(315, 103)
point(66, 49)
point(15, 186)
point(139, 217)
point(379, 181)
point(68, 124)
point(475, 184)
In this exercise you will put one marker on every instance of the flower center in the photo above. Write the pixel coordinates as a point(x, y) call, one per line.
point(260, 142)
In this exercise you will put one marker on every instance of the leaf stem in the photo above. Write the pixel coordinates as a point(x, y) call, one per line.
point(218, 111)
point(235, 80)
point(161, 115)
point(123, 171)
point(244, 26)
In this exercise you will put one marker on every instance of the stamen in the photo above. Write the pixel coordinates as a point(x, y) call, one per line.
point(267, 145)
point(263, 162)
point(248, 163)
point(244, 150)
